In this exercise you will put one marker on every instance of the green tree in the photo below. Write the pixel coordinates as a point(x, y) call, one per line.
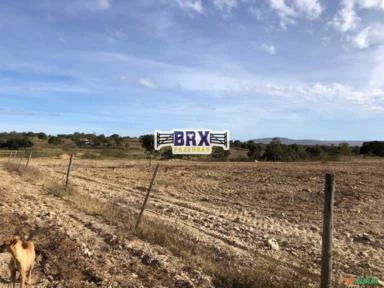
point(18, 142)
point(147, 142)
point(166, 153)
point(373, 148)
point(256, 151)
point(274, 150)
point(54, 140)
point(42, 136)
point(118, 141)
point(344, 149)
point(219, 153)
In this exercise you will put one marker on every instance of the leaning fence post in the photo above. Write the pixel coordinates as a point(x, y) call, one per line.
point(326, 258)
point(147, 196)
point(68, 171)
point(29, 159)
point(18, 165)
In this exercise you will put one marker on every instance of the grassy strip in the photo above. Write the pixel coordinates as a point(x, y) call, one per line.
point(28, 173)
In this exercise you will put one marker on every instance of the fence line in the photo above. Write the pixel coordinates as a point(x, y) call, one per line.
point(327, 235)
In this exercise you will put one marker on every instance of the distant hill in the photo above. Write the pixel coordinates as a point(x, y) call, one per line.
point(313, 142)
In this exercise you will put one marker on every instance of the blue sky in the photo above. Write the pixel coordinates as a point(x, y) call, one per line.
point(289, 68)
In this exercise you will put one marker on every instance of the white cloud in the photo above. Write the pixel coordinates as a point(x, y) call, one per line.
point(225, 5)
point(146, 83)
point(323, 97)
point(361, 39)
point(371, 35)
point(310, 8)
point(104, 4)
point(285, 12)
point(258, 13)
point(347, 19)
point(191, 5)
point(331, 96)
point(289, 10)
point(269, 48)
point(379, 4)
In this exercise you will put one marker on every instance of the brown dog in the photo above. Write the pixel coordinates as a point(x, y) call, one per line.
point(23, 259)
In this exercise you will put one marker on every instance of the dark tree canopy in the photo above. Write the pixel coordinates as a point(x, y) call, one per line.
point(373, 148)
point(148, 142)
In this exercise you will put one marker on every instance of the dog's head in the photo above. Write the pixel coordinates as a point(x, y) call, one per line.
point(9, 243)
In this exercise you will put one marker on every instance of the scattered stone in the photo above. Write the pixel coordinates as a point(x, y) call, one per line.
point(363, 253)
point(182, 283)
point(149, 260)
point(168, 210)
point(314, 228)
point(364, 238)
point(111, 239)
point(86, 251)
point(272, 244)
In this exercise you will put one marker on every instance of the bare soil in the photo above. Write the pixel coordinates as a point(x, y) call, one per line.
point(233, 209)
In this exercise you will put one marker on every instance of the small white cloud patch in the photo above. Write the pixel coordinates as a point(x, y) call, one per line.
point(309, 8)
point(289, 10)
point(371, 35)
point(104, 4)
point(191, 5)
point(146, 83)
point(346, 18)
point(258, 13)
point(269, 48)
point(225, 5)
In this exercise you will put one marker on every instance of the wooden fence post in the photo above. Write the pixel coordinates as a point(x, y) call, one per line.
point(147, 196)
point(326, 258)
point(29, 159)
point(18, 165)
point(68, 171)
point(10, 155)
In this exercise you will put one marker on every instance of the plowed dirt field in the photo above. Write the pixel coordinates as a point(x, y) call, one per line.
point(253, 214)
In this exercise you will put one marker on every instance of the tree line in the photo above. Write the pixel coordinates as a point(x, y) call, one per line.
point(84, 140)
point(17, 140)
point(277, 151)
point(273, 151)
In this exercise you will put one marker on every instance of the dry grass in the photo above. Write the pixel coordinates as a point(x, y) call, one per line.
point(28, 173)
